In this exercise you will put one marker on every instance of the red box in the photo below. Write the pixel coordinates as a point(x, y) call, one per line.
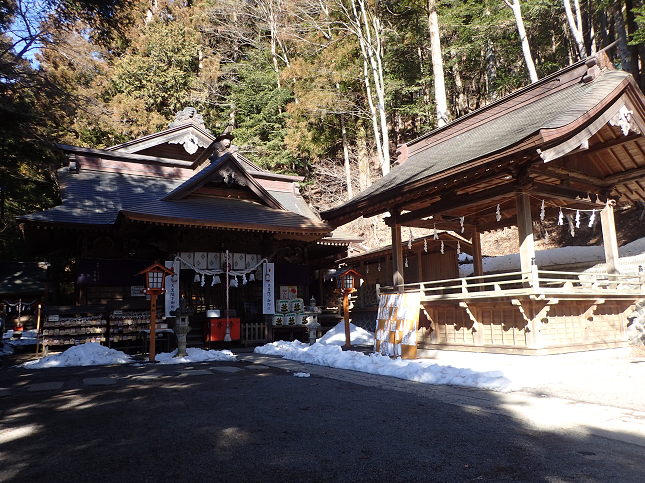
point(218, 329)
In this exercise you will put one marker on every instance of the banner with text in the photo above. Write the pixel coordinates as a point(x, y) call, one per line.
point(268, 289)
point(172, 287)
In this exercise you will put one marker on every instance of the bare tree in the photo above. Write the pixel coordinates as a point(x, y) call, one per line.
point(575, 24)
point(437, 65)
point(517, 12)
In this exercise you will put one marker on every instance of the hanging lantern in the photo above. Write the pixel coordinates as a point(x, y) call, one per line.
point(251, 277)
point(197, 278)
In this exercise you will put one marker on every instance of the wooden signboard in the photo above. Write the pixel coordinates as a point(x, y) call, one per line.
point(397, 324)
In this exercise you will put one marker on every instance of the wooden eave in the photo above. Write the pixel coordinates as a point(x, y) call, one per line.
point(160, 137)
point(119, 156)
point(313, 233)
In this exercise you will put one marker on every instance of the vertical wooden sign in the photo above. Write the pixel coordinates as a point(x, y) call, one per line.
point(396, 325)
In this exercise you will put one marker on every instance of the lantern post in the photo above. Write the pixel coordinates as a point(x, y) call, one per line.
point(345, 286)
point(155, 280)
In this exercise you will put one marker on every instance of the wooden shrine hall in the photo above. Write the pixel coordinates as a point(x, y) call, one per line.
point(183, 196)
point(570, 144)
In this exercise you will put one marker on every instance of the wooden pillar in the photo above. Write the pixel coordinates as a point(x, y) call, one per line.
point(397, 255)
point(478, 265)
point(609, 238)
point(321, 279)
point(525, 231)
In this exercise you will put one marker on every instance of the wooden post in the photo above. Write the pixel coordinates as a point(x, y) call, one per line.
point(397, 256)
point(478, 264)
point(321, 279)
point(40, 307)
point(153, 325)
point(525, 231)
point(348, 341)
point(609, 238)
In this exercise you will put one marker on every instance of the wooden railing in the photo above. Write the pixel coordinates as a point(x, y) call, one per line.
point(535, 282)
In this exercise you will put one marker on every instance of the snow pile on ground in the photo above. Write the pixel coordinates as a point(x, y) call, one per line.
point(90, 354)
point(28, 338)
point(194, 354)
point(336, 336)
point(411, 370)
point(93, 354)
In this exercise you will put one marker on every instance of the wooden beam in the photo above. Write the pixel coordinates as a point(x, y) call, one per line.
point(608, 144)
point(459, 202)
point(576, 176)
point(625, 177)
point(560, 192)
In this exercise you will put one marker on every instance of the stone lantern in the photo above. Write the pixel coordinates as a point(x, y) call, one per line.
point(312, 320)
point(181, 328)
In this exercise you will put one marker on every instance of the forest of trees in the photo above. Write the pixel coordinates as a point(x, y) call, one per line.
point(322, 88)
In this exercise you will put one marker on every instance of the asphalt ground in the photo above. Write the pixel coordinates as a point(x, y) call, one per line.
point(253, 421)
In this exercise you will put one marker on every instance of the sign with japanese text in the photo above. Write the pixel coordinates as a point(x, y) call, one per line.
point(268, 289)
point(172, 287)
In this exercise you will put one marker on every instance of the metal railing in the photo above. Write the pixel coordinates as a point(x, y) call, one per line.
point(523, 283)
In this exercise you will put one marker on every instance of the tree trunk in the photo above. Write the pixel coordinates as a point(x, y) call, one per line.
point(517, 12)
point(575, 25)
point(348, 173)
point(437, 65)
point(491, 71)
point(372, 58)
point(623, 48)
point(363, 160)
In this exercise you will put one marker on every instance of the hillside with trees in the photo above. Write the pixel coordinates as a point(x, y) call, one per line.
point(326, 89)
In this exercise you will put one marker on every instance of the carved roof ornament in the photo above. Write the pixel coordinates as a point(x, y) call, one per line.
point(190, 143)
point(188, 115)
point(228, 177)
point(625, 120)
point(223, 143)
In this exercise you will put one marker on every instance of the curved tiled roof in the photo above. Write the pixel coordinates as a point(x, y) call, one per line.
point(552, 103)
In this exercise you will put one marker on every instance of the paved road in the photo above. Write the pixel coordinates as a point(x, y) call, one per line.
point(253, 421)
